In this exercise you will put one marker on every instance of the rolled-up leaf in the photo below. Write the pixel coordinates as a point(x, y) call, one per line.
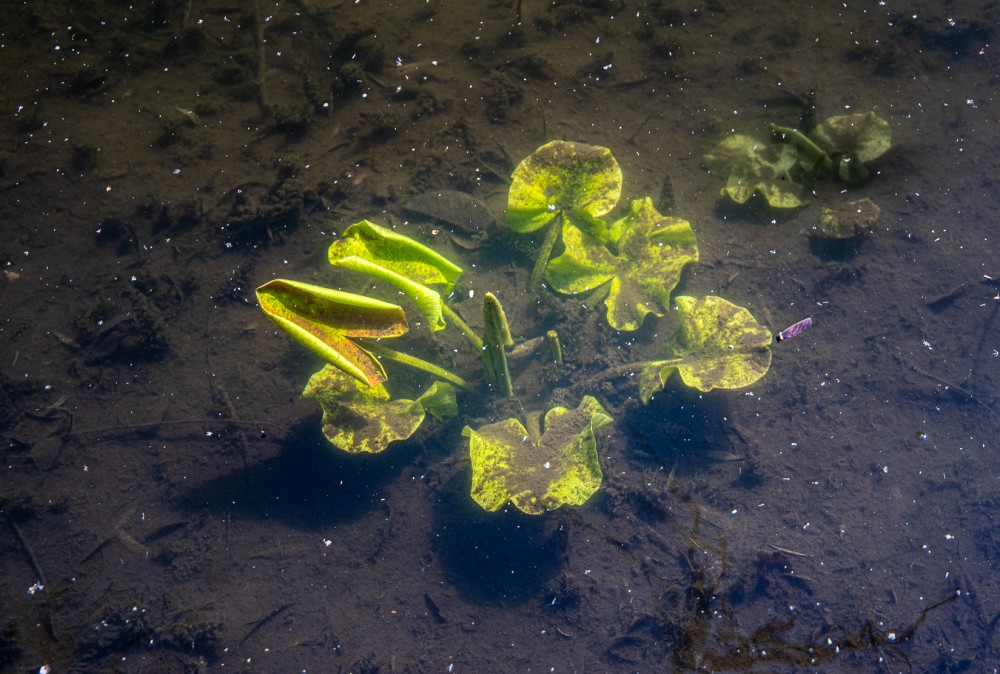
point(325, 321)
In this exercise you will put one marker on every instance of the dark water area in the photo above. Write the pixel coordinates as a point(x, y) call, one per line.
point(170, 503)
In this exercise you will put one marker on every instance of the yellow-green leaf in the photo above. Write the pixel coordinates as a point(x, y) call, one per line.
point(560, 468)
point(324, 321)
point(359, 418)
point(651, 251)
point(410, 266)
point(718, 345)
point(581, 181)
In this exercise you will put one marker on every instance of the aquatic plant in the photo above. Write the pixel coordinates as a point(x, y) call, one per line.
point(778, 171)
point(539, 462)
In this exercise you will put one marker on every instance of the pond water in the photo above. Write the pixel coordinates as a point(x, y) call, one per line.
point(170, 502)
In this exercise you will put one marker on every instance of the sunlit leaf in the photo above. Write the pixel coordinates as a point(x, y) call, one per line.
point(359, 418)
point(583, 182)
point(410, 266)
point(324, 321)
point(718, 345)
point(641, 265)
point(560, 468)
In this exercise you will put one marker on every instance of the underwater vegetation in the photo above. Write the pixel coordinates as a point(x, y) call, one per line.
point(548, 458)
point(782, 169)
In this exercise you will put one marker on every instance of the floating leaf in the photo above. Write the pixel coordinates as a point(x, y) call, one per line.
point(359, 418)
point(718, 345)
point(583, 182)
point(755, 167)
point(323, 320)
point(560, 468)
point(400, 261)
point(652, 250)
point(863, 135)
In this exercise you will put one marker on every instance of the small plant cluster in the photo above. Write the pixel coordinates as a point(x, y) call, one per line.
point(541, 462)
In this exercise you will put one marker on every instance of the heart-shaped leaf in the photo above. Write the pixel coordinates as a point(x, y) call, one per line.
point(583, 182)
point(324, 321)
point(645, 265)
point(359, 418)
point(718, 345)
point(400, 261)
point(560, 468)
point(753, 167)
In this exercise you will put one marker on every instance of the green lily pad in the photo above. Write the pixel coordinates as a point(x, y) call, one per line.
point(865, 136)
point(400, 261)
point(560, 468)
point(583, 182)
point(718, 345)
point(359, 418)
point(325, 320)
point(641, 268)
point(751, 166)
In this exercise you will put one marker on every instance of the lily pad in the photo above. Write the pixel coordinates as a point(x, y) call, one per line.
point(359, 418)
point(865, 136)
point(400, 261)
point(325, 320)
point(718, 345)
point(582, 182)
point(560, 468)
point(642, 266)
point(751, 166)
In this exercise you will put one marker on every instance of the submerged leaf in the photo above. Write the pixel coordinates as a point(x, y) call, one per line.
point(863, 135)
point(652, 251)
point(560, 468)
point(323, 320)
point(583, 182)
point(753, 167)
point(400, 261)
point(359, 418)
point(718, 345)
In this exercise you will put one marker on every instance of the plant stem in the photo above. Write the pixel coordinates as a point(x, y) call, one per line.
point(496, 338)
point(462, 326)
point(418, 364)
point(551, 236)
point(813, 152)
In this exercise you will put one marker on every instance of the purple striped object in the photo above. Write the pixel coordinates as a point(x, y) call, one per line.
point(795, 329)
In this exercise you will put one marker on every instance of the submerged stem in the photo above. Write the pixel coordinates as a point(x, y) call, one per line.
point(551, 236)
point(418, 364)
point(462, 326)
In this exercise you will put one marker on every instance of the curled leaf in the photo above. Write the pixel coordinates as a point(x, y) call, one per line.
point(400, 261)
point(863, 135)
point(325, 321)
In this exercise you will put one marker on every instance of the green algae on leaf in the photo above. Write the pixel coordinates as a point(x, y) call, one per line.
point(538, 474)
point(325, 321)
point(582, 182)
point(718, 345)
point(359, 418)
point(641, 265)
